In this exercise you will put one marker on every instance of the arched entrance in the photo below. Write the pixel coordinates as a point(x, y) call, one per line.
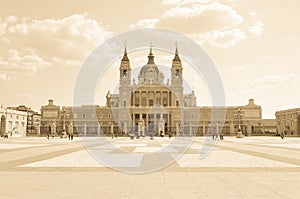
point(3, 125)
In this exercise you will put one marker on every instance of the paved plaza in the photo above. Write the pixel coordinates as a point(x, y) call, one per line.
point(252, 167)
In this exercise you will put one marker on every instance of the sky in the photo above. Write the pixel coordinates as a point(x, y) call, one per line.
point(254, 45)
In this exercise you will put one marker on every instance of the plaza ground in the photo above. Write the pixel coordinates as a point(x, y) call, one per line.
point(252, 167)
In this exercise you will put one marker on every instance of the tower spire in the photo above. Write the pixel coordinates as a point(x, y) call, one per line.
point(150, 56)
point(176, 58)
point(125, 58)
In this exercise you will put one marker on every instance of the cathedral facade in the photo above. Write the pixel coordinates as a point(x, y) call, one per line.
point(151, 106)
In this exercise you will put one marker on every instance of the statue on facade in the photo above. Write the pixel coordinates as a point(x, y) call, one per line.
point(141, 127)
point(161, 127)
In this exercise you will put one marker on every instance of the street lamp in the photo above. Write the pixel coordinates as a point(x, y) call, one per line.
point(64, 114)
point(239, 114)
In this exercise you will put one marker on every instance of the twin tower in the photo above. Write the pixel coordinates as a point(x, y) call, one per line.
point(150, 76)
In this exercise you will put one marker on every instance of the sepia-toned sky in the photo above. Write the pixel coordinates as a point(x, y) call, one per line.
point(254, 45)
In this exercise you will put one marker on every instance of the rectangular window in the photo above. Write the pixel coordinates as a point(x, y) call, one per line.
point(165, 102)
point(151, 102)
point(137, 102)
point(158, 101)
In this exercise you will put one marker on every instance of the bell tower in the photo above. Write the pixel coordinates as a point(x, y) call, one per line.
point(176, 79)
point(125, 81)
point(125, 70)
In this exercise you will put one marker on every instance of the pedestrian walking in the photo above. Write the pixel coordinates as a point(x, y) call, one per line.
point(221, 136)
point(282, 136)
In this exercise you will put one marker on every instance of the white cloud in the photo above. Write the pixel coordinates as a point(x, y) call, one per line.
point(257, 28)
point(20, 63)
point(144, 23)
point(271, 81)
point(200, 18)
point(11, 19)
point(226, 39)
point(206, 21)
point(195, 19)
point(64, 62)
point(4, 76)
point(221, 39)
point(29, 44)
point(184, 2)
point(3, 26)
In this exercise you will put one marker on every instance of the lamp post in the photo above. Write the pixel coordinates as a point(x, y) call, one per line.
point(64, 114)
point(239, 114)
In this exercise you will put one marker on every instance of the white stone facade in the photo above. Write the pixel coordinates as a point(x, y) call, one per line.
point(13, 123)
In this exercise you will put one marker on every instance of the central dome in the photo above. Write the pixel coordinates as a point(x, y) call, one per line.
point(150, 73)
point(149, 69)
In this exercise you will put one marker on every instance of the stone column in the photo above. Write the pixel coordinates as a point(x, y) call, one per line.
point(141, 99)
point(98, 129)
point(54, 129)
point(84, 129)
point(168, 98)
point(177, 128)
point(133, 123)
point(249, 129)
point(112, 129)
point(204, 133)
point(133, 99)
point(147, 119)
point(231, 128)
point(125, 128)
point(38, 129)
point(147, 99)
point(154, 121)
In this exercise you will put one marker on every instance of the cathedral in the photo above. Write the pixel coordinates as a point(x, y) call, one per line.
point(151, 107)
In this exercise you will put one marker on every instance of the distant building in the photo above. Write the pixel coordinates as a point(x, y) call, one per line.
point(50, 118)
point(151, 107)
point(268, 127)
point(13, 122)
point(33, 120)
point(288, 122)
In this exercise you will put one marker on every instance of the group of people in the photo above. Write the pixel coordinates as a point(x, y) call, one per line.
point(217, 136)
point(63, 135)
point(5, 135)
